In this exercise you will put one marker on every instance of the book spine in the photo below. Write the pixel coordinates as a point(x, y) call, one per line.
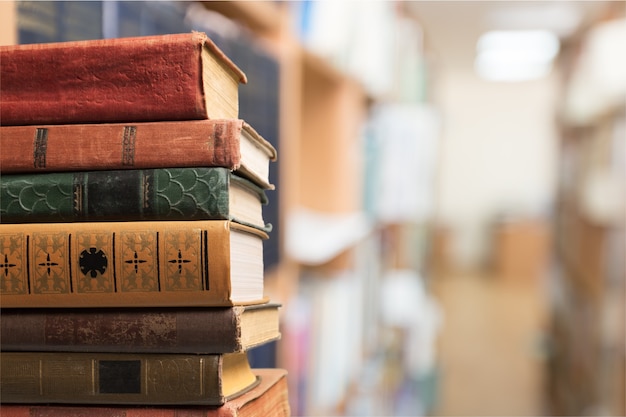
point(154, 194)
point(48, 410)
point(111, 378)
point(105, 80)
point(21, 410)
point(118, 264)
point(269, 398)
point(214, 330)
point(91, 147)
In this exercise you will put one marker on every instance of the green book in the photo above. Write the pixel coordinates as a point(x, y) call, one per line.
point(135, 194)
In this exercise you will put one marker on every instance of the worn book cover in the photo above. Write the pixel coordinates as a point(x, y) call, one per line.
point(123, 378)
point(269, 398)
point(139, 330)
point(148, 78)
point(137, 194)
point(228, 143)
point(131, 264)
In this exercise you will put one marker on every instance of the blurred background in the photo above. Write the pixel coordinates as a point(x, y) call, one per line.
point(450, 193)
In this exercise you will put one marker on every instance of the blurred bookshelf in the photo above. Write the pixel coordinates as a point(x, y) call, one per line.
point(338, 245)
point(588, 340)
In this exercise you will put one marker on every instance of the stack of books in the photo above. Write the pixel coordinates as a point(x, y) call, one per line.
point(131, 232)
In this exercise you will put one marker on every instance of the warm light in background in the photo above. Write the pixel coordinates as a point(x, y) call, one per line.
point(511, 56)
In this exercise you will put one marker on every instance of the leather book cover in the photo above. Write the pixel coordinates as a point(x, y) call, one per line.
point(269, 398)
point(139, 330)
point(150, 194)
point(224, 143)
point(123, 378)
point(128, 264)
point(148, 78)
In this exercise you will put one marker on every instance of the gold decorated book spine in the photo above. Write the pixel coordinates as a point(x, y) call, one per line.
point(116, 264)
point(111, 378)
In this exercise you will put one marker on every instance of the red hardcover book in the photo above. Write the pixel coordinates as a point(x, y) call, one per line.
point(228, 143)
point(148, 78)
point(269, 398)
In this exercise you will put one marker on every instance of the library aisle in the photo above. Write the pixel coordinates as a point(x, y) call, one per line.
point(491, 346)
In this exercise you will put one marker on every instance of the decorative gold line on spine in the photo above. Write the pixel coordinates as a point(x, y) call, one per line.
point(78, 192)
point(40, 376)
point(128, 145)
point(202, 370)
point(40, 147)
point(94, 377)
point(146, 190)
point(145, 365)
point(78, 198)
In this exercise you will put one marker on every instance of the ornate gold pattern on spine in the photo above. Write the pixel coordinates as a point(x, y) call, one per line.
point(13, 263)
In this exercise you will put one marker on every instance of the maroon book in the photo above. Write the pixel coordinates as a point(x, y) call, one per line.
point(148, 78)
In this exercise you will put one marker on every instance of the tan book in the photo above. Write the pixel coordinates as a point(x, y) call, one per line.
point(148, 78)
point(123, 378)
point(131, 264)
point(268, 398)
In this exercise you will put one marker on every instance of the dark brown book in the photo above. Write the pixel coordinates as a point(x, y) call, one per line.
point(228, 143)
point(139, 330)
point(269, 398)
point(148, 78)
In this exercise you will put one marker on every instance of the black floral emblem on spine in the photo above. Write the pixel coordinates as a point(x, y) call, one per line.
point(93, 262)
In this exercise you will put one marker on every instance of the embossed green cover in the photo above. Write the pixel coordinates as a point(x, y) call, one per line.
point(146, 194)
